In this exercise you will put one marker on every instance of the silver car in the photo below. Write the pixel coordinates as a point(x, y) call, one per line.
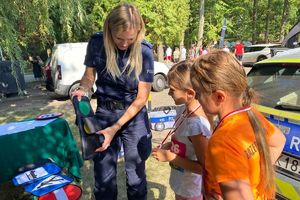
point(256, 53)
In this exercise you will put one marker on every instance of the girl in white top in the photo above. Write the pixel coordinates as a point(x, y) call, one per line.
point(190, 134)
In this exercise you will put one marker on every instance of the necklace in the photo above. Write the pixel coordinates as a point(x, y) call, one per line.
point(243, 109)
point(177, 123)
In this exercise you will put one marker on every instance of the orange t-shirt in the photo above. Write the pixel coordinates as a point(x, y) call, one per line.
point(232, 154)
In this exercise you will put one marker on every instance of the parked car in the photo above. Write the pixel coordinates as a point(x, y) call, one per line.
point(47, 75)
point(162, 117)
point(277, 80)
point(160, 76)
point(256, 53)
point(12, 79)
point(67, 68)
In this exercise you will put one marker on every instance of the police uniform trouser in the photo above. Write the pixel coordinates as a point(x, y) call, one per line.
point(136, 139)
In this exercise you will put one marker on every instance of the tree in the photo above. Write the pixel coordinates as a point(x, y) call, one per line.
point(254, 21)
point(267, 22)
point(165, 21)
point(201, 23)
point(285, 14)
point(28, 27)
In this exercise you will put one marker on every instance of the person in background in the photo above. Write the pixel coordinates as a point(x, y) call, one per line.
point(239, 50)
point(198, 51)
point(123, 61)
point(245, 145)
point(37, 67)
point(192, 52)
point(176, 55)
point(169, 54)
point(226, 48)
point(204, 50)
point(183, 53)
point(186, 151)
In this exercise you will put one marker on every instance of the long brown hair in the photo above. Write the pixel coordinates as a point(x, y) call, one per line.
point(122, 18)
point(220, 70)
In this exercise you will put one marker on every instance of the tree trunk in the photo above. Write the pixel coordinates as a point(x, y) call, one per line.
point(267, 22)
point(201, 24)
point(285, 14)
point(254, 18)
point(181, 41)
point(160, 53)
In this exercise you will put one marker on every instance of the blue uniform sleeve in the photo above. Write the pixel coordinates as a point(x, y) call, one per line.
point(94, 48)
point(148, 63)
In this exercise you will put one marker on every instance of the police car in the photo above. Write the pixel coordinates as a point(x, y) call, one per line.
point(162, 117)
point(277, 80)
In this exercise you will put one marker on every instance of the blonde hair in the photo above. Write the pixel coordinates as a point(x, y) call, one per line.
point(124, 17)
point(219, 70)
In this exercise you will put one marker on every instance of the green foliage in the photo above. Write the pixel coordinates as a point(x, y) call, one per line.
point(30, 27)
point(165, 20)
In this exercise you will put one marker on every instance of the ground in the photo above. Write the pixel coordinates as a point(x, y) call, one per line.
point(39, 101)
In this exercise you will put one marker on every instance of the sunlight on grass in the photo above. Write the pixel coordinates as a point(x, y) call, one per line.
point(157, 172)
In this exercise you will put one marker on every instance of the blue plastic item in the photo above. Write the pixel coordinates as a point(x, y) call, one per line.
point(39, 173)
point(51, 183)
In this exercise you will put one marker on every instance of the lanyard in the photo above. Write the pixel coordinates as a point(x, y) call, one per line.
point(246, 108)
point(176, 126)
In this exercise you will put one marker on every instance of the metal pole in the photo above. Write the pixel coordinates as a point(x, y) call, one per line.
point(221, 45)
point(149, 102)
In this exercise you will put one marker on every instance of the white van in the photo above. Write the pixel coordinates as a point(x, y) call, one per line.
point(67, 69)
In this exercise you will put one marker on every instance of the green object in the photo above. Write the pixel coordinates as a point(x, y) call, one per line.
point(84, 108)
point(55, 141)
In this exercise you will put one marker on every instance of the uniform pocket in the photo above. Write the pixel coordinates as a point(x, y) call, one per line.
point(145, 146)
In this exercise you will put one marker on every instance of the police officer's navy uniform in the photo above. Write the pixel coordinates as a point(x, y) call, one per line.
point(113, 98)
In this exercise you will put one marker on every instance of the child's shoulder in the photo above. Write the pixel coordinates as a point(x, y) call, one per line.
point(199, 125)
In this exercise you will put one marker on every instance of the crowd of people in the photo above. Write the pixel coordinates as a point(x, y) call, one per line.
point(181, 53)
point(195, 51)
point(230, 159)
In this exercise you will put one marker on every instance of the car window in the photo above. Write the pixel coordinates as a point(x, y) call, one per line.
point(253, 49)
point(276, 84)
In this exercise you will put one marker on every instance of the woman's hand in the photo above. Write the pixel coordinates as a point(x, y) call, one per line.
point(109, 134)
point(79, 93)
point(163, 155)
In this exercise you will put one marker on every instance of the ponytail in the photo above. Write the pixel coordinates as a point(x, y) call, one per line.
point(267, 182)
point(249, 96)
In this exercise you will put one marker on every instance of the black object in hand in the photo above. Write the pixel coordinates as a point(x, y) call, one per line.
point(101, 139)
point(85, 116)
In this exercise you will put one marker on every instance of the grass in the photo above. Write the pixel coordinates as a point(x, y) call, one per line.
point(157, 172)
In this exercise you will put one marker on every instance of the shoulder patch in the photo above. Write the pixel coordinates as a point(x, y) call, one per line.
point(146, 43)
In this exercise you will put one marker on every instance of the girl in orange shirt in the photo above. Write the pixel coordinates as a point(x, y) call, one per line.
point(244, 145)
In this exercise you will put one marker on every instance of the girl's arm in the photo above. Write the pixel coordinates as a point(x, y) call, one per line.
point(140, 101)
point(276, 143)
point(237, 189)
point(199, 143)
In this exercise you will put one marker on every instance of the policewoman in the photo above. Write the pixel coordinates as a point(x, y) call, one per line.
point(123, 63)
